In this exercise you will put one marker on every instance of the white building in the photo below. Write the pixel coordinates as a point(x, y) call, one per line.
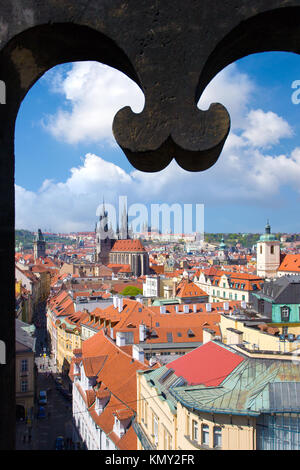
point(104, 395)
point(267, 254)
point(151, 288)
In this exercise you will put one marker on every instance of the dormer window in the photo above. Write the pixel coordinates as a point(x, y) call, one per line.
point(285, 313)
point(118, 428)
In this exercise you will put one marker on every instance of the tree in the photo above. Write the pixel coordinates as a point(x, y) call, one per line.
point(131, 291)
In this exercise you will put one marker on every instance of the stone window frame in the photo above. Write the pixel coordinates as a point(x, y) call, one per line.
point(285, 317)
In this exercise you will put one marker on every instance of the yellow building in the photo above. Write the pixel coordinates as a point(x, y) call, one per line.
point(156, 417)
point(256, 335)
point(223, 286)
point(68, 339)
point(218, 397)
point(25, 379)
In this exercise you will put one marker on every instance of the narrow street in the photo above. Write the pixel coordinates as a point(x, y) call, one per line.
point(41, 432)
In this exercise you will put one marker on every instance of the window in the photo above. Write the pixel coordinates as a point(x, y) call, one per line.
point(155, 429)
point(205, 434)
point(217, 436)
point(24, 386)
point(167, 440)
point(285, 313)
point(194, 430)
point(260, 249)
point(187, 425)
point(243, 297)
point(24, 365)
point(272, 250)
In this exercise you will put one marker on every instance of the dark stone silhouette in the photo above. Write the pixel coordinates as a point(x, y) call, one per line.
point(171, 49)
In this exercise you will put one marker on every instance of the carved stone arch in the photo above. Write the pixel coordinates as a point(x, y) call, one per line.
point(172, 49)
point(28, 55)
point(272, 30)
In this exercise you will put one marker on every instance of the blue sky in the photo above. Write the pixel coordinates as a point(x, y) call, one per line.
point(67, 159)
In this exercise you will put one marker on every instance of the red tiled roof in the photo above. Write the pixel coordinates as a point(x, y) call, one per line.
point(290, 263)
point(209, 364)
point(128, 245)
point(189, 289)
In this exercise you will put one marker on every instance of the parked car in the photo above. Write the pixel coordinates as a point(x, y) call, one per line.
point(43, 397)
point(41, 412)
point(59, 443)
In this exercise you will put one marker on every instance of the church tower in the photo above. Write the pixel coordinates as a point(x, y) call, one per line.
point(124, 235)
point(267, 254)
point(39, 246)
point(222, 252)
point(105, 238)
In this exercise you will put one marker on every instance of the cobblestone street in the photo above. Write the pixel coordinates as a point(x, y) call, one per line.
point(41, 433)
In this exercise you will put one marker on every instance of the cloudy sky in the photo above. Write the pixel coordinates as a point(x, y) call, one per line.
point(67, 160)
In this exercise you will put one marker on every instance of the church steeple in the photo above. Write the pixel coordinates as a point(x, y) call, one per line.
point(267, 254)
point(124, 224)
point(105, 237)
point(39, 246)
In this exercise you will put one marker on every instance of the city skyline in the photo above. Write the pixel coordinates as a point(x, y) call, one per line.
point(67, 116)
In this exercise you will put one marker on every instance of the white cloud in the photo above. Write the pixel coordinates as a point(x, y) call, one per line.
point(71, 205)
point(244, 174)
point(94, 94)
point(264, 129)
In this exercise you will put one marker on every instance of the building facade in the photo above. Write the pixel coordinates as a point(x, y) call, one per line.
point(267, 254)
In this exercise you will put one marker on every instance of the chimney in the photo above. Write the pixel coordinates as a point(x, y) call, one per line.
point(208, 307)
point(138, 353)
point(120, 304)
point(226, 306)
point(208, 335)
point(186, 309)
point(195, 308)
point(120, 338)
point(115, 301)
point(142, 332)
point(162, 309)
point(176, 308)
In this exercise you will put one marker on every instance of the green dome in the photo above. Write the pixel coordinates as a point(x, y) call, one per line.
point(222, 245)
point(267, 236)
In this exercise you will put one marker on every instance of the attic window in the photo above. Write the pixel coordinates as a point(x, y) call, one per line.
point(169, 337)
point(157, 324)
point(191, 333)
